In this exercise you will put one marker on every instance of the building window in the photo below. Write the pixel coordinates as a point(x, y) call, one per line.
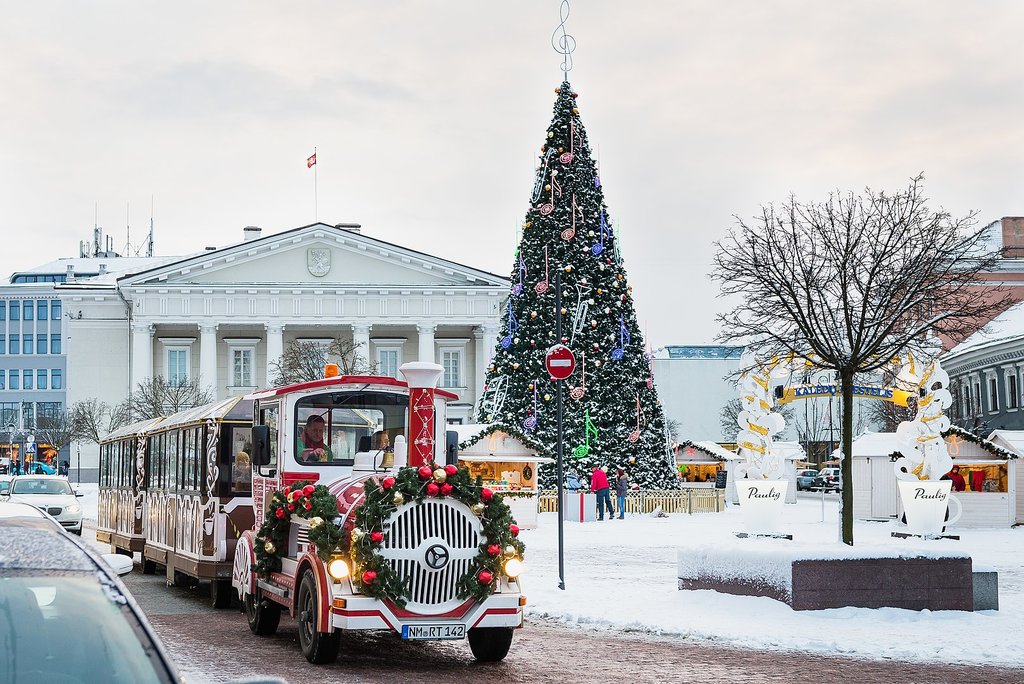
point(26, 344)
point(28, 414)
point(48, 409)
point(28, 311)
point(14, 380)
point(14, 344)
point(177, 366)
point(976, 398)
point(451, 359)
point(388, 361)
point(55, 344)
point(993, 395)
point(241, 368)
point(40, 344)
point(3, 344)
point(56, 379)
point(55, 310)
point(40, 379)
point(3, 380)
point(26, 379)
point(1011, 390)
point(3, 311)
point(15, 311)
point(41, 310)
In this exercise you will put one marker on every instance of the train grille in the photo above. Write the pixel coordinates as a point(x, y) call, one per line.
point(432, 544)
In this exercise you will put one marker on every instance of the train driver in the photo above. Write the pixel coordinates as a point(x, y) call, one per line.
point(381, 441)
point(311, 446)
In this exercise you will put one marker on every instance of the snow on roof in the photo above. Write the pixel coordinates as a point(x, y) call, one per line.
point(875, 444)
point(1010, 439)
point(1007, 326)
point(712, 449)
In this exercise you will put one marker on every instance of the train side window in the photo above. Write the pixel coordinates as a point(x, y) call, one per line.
point(241, 461)
point(269, 417)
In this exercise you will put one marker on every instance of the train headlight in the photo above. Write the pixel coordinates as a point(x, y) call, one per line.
point(514, 567)
point(337, 568)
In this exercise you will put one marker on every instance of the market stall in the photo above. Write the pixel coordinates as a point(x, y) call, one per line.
point(506, 466)
point(698, 463)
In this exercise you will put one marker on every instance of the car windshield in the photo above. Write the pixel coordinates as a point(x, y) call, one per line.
point(74, 627)
point(39, 485)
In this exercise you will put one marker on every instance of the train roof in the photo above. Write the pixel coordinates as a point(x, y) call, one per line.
point(232, 408)
point(133, 429)
point(341, 381)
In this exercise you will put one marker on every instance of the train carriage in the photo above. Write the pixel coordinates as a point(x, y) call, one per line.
point(121, 479)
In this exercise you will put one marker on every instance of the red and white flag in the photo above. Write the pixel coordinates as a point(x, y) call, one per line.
point(311, 161)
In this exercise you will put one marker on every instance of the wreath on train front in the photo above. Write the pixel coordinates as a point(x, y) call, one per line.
point(372, 573)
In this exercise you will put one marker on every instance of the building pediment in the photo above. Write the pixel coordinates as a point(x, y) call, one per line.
point(318, 255)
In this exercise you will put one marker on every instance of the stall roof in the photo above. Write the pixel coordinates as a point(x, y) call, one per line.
point(884, 443)
point(1012, 439)
point(712, 449)
point(481, 442)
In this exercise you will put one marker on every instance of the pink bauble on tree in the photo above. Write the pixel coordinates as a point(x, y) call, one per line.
point(514, 529)
point(486, 494)
point(432, 489)
point(426, 472)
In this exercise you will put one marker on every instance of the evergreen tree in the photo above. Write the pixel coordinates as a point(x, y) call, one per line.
point(611, 416)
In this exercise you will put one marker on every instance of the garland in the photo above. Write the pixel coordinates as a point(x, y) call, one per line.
point(374, 575)
point(312, 502)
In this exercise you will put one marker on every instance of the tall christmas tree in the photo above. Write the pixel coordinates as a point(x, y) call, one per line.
point(612, 416)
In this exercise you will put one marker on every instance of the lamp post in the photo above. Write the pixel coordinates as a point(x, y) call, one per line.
point(10, 445)
point(78, 476)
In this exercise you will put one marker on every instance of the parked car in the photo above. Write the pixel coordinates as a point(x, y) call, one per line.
point(51, 494)
point(32, 467)
point(830, 479)
point(805, 479)
point(64, 614)
point(5, 484)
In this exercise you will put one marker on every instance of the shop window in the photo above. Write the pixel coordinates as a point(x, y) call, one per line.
point(982, 477)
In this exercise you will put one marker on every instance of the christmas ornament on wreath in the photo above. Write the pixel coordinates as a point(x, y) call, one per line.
point(500, 552)
point(306, 500)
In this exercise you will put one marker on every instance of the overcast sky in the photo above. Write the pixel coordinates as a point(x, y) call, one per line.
point(427, 117)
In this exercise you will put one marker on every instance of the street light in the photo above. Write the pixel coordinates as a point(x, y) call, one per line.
point(10, 445)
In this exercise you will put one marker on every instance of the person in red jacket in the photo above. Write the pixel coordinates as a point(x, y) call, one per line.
point(958, 480)
point(599, 485)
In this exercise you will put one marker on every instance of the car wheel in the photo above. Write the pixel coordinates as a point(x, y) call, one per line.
point(263, 615)
point(490, 644)
point(318, 647)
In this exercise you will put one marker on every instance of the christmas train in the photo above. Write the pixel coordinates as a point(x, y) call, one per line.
point(346, 532)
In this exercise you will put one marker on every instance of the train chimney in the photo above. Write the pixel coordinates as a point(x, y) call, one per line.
point(422, 378)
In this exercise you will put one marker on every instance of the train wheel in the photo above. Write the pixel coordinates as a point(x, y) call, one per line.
point(221, 593)
point(490, 644)
point(318, 647)
point(263, 615)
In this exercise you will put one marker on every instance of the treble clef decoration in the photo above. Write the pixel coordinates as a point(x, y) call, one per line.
point(513, 327)
point(542, 286)
point(567, 157)
point(518, 287)
point(598, 247)
point(531, 421)
point(570, 232)
point(546, 209)
point(588, 429)
point(577, 392)
point(624, 339)
point(564, 44)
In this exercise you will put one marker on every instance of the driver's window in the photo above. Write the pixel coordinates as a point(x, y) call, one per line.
point(269, 417)
point(241, 467)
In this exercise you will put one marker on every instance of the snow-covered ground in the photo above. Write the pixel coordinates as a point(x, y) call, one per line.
point(621, 575)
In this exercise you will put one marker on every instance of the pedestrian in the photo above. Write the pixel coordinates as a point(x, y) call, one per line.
point(17, 467)
point(65, 468)
point(573, 483)
point(599, 485)
point(621, 488)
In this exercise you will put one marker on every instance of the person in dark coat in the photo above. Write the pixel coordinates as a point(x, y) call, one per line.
point(621, 489)
point(599, 485)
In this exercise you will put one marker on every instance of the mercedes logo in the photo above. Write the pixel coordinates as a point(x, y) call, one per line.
point(436, 557)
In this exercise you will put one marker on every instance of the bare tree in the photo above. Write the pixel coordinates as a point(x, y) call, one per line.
point(56, 429)
point(304, 361)
point(156, 397)
point(850, 283)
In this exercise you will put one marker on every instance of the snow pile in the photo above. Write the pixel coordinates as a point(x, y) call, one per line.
point(760, 565)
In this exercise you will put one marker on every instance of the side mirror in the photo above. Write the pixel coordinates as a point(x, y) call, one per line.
point(261, 445)
point(451, 448)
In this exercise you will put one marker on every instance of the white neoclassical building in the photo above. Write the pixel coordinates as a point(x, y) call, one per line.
point(224, 315)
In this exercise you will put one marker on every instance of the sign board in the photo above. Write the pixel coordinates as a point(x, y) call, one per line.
point(721, 478)
point(30, 448)
point(560, 362)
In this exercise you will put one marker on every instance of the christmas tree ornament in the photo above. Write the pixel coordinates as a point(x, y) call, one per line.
point(432, 489)
point(477, 509)
point(425, 472)
point(315, 522)
point(485, 577)
point(376, 537)
point(357, 534)
point(440, 475)
point(270, 548)
point(369, 577)
point(446, 489)
point(510, 551)
point(398, 499)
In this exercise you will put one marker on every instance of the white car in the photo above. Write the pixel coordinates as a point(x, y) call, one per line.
point(51, 494)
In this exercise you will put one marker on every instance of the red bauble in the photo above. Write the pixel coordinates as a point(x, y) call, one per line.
point(308, 506)
point(486, 494)
point(291, 507)
point(369, 576)
point(432, 489)
point(494, 549)
point(376, 537)
point(426, 472)
point(387, 483)
point(308, 490)
point(446, 489)
point(286, 490)
point(451, 470)
point(280, 513)
point(514, 529)
point(485, 576)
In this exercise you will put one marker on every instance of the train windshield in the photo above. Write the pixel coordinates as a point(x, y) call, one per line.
point(334, 427)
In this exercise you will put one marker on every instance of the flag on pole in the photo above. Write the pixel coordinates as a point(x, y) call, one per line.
point(311, 161)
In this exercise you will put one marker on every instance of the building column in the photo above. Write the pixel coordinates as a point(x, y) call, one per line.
point(208, 357)
point(481, 355)
point(426, 346)
point(275, 347)
point(361, 340)
point(142, 353)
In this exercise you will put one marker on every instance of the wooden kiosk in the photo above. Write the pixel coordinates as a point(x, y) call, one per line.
point(506, 465)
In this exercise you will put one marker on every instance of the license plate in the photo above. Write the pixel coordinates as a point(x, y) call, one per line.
point(433, 631)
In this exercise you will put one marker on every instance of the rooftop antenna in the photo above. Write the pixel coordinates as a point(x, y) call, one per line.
point(149, 246)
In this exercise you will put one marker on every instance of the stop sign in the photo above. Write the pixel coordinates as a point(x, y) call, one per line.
point(560, 362)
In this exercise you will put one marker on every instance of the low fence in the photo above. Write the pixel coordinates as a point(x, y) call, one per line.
point(646, 502)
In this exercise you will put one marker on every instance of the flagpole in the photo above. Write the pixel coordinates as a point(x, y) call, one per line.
point(316, 213)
